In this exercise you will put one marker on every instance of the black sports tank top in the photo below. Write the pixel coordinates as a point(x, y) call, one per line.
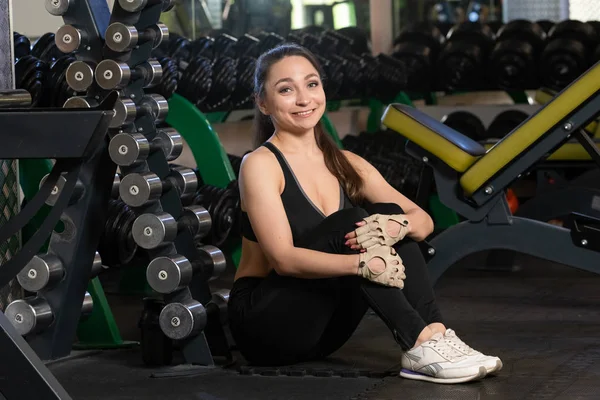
point(303, 215)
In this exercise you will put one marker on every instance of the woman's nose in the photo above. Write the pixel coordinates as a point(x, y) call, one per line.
point(302, 99)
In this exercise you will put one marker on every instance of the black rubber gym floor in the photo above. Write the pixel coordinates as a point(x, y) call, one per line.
point(543, 321)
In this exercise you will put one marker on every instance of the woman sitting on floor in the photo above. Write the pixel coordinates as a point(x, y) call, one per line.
point(325, 238)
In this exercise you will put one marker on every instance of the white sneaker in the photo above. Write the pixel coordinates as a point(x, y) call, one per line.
point(436, 361)
point(491, 363)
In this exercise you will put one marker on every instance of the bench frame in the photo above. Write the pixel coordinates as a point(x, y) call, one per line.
point(569, 125)
point(490, 224)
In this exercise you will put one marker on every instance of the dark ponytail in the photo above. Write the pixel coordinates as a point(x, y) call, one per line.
point(335, 160)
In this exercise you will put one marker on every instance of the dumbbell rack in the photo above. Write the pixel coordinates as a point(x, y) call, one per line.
point(79, 154)
point(85, 24)
point(196, 349)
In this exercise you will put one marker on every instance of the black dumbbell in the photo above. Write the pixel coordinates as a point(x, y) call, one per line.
point(122, 38)
point(150, 231)
point(466, 123)
point(58, 7)
point(69, 38)
point(131, 148)
point(137, 189)
point(80, 76)
point(513, 62)
point(505, 122)
point(111, 74)
point(139, 5)
point(168, 274)
point(126, 111)
point(417, 47)
point(461, 63)
point(567, 54)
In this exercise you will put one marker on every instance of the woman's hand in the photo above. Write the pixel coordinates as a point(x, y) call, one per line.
point(378, 229)
point(382, 265)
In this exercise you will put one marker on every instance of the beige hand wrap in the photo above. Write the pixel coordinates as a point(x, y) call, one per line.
point(374, 232)
point(392, 275)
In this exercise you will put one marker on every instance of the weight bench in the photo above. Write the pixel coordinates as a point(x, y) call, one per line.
point(472, 181)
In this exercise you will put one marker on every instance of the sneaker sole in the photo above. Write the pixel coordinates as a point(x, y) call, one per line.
point(497, 368)
point(427, 378)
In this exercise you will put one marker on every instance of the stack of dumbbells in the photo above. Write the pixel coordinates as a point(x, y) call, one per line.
point(519, 55)
point(385, 151)
point(215, 73)
point(108, 56)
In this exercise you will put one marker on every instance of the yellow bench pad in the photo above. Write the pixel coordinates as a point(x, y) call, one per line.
point(454, 149)
point(526, 134)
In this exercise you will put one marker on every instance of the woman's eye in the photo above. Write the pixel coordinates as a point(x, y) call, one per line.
point(313, 84)
point(284, 90)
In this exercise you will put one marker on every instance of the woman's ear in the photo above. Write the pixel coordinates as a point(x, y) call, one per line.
point(261, 105)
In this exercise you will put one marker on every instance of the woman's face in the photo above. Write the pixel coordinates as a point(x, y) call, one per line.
point(293, 95)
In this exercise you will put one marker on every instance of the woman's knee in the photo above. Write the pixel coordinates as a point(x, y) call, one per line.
point(383, 208)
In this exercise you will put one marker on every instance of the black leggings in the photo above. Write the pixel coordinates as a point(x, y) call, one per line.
point(282, 320)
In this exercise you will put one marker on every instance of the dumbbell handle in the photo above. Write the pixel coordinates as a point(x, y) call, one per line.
point(126, 111)
point(15, 98)
point(121, 37)
point(69, 38)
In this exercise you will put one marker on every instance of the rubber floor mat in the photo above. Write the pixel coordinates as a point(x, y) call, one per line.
point(543, 321)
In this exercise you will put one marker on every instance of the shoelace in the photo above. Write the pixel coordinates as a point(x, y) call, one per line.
point(455, 340)
point(443, 347)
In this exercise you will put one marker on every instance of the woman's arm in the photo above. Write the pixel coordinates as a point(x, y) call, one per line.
point(259, 182)
point(377, 190)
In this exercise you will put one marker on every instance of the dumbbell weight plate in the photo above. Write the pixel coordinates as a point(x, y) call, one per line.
point(80, 76)
point(87, 306)
point(138, 5)
point(29, 315)
point(169, 274)
point(505, 122)
point(58, 187)
point(40, 271)
point(137, 189)
point(58, 7)
point(171, 142)
point(125, 113)
point(111, 74)
point(128, 148)
point(197, 219)
point(80, 102)
point(68, 38)
point(120, 37)
point(97, 266)
point(212, 255)
point(466, 123)
point(151, 230)
point(181, 320)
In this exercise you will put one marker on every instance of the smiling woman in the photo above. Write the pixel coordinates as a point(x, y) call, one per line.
point(325, 237)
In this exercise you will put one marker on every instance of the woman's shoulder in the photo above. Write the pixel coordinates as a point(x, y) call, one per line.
point(259, 160)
